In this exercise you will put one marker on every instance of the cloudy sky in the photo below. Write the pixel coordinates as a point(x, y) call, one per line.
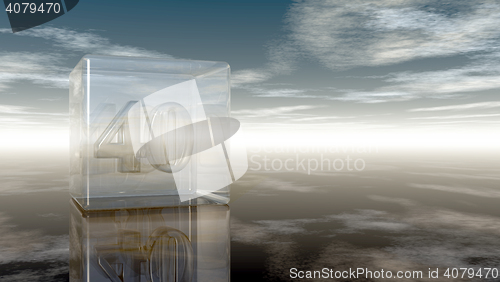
point(393, 72)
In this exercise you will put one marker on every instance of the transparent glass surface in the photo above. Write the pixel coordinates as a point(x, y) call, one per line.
point(186, 243)
point(144, 132)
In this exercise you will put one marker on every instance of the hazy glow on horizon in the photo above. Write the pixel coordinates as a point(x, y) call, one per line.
point(299, 136)
point(303, 136)
point(34, 139)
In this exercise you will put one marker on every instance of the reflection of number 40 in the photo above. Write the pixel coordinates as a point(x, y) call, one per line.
point(116, 140)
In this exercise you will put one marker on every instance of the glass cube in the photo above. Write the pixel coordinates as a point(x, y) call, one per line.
point(150, 132)
point(184, 243)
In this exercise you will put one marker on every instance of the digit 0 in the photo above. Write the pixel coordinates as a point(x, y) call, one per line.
point(171, 150)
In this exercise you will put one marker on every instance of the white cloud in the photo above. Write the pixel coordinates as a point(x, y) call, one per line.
point(374, 96)
point(40, 68)
point(242, 77)
point(22, 110)
point(369, 220)
point(281, 93)
point(31, 246)
point(476, 191)
point(85, 42)
point(47, 68)
point(266, 112)
point(481, 105)
point(50, 99)
point(419, 236)
point(462, 122)
point(399, 201)
point(272, 185)
point(14, 245)
point(459, 116)
point(316, 119)
point(270, 231)
point(346, 34)
point(267, 92)
point(247, 233)
point(10, 109)
point(481, 75)
point(15, 118)
point(27, 62)
point(286, 226)
point(45, 80)
point(282, 57)
point(457, 175)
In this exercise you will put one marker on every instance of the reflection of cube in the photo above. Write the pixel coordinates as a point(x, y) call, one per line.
point(186, 243)
point(129, 146)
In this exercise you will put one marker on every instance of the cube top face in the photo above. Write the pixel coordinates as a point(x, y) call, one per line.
point(132, 133)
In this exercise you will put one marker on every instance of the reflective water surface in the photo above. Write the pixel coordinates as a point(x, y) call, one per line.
point(405, 211)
